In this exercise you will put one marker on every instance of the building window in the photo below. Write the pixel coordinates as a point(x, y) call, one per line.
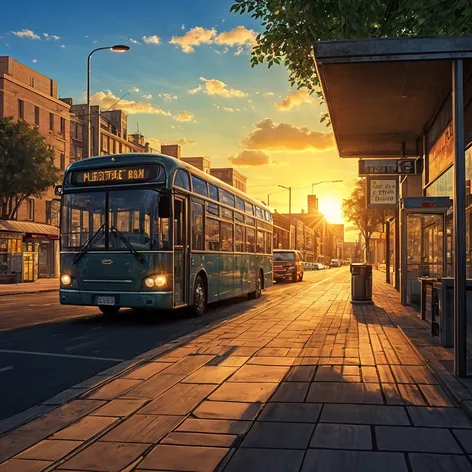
point(21, 109)
point(31, 81)
point(48, 213)
point(63, 161)
point(30, 209)
point(36, 116)
point(63, 126)
point(51, 121)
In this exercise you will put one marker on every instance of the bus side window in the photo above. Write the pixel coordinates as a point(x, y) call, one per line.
point(251, 239)
point(197, 226)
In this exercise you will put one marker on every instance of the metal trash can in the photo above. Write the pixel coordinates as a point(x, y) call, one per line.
point(361, 283)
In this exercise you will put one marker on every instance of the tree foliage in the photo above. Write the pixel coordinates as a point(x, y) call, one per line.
point(367, 221)
point(26, 165)
point(292, 26)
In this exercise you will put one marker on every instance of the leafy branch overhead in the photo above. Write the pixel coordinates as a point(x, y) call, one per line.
point(26, 165)
point(290, 27)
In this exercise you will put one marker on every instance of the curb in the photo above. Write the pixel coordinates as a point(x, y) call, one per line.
point(445, 379)
point(4, 294)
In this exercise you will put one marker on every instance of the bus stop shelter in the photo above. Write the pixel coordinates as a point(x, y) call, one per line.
point(382, 96)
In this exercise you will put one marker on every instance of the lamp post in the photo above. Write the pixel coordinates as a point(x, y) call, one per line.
point(115, 48)
point(325, 182)
point(268, 197)
point(289, 213)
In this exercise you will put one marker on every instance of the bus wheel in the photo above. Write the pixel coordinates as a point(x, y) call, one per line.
point(109, 310)
point(257, 293)
point(199, 297)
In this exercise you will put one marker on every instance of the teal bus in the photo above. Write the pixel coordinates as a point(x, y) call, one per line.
point(150, 231)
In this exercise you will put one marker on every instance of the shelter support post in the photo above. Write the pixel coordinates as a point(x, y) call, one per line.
point(460, 319)
point(387, 251)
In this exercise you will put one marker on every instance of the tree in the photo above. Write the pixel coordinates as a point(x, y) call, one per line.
point(292, 26)
point(367, 220)
point(26, 165)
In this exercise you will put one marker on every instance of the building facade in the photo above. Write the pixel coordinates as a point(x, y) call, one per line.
point(28, 95)
point(230, 176)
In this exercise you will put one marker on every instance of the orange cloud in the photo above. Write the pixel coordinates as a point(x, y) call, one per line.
point(184, 141)
point(237, 36)
point(184, 116)
point(106, 100)
point(250, 158)
point(216, 87)
point(293, 100)
point(285, 136)
point(194, 37)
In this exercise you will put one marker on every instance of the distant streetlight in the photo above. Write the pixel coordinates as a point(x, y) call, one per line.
point(268, 196)
point(115, 48)
point(325, 182)
point(289, 212)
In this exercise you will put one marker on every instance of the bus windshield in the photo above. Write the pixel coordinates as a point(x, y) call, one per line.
point(134, 213)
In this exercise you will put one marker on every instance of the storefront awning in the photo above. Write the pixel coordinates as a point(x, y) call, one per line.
point(382, 93)
point(34, 230)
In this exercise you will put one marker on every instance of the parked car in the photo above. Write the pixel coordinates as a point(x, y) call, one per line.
point(335, 263)
point(318, 266)
point(288, 264)
point(309, 265)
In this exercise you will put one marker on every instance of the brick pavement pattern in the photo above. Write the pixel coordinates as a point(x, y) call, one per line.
point(310, 383)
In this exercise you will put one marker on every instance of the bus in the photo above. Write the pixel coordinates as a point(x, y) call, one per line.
point(150, 231)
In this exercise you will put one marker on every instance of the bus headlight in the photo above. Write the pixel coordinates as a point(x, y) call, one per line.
point(155, 281)
point(66, 279)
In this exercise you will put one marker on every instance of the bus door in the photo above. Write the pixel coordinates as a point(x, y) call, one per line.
point(181, 250)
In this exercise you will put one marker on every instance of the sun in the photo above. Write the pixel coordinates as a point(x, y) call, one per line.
point(331, 208)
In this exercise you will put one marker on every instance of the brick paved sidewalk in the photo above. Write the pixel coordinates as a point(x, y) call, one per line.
point(310, 384)
point(41, 285)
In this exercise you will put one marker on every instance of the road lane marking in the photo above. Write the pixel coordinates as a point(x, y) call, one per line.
point(51, 354)
point(75, 347)
point(5, 369)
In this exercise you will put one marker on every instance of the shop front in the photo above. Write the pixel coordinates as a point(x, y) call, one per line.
point(28, 251)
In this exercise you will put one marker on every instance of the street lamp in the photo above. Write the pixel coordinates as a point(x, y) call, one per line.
point(325, 182)
point(115, 48)
point(268, 197)
point(289, 212)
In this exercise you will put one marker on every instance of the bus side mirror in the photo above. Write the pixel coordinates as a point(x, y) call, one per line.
point(164, 207)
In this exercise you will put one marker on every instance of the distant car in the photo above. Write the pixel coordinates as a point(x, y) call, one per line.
point(288, 264)
point(309, 265)
point(318, 266)
point(335, 263)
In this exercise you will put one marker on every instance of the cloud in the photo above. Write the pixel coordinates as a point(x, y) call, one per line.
point(151, 39)
point(285, 136)
point(182, 27)
point(34, 60)
point(26, 33)
point(293, 100)
point(216, 87)
point(237, 36)
point(154, 143)
point(62, 46)
point(269, 94)
point(146, 97)
point(239, 51)
point(134, 41)
point(49, 37)
point(133, 89)
point(184, 141)
point(184, 116)
point(230, 110)
point(106, 100)
point(250, 158)
point(194, 37)
point(168, 96)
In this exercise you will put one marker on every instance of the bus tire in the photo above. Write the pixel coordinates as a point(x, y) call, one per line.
point(258, 292)
point(109, 310)
point(199, 297)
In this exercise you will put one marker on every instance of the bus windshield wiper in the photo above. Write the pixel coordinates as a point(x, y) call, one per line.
point(86, 246)
point(129, 246)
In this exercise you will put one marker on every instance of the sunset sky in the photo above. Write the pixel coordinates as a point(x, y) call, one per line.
point(188, 79)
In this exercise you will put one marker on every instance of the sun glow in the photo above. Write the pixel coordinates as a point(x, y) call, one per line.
point(331, 208)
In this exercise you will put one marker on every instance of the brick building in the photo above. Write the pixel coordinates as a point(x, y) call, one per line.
point(28, 95)
point(230, 176)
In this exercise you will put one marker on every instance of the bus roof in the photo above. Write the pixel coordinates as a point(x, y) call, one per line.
point(170, 163)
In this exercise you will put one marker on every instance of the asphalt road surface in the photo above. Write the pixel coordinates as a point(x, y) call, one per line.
point(46, 348)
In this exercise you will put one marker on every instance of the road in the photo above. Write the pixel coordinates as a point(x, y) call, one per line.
point(46, 348)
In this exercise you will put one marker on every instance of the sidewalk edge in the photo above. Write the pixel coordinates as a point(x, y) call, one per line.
point(5, 294)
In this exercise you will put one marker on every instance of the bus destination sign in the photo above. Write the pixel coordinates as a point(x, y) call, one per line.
point(115, 175)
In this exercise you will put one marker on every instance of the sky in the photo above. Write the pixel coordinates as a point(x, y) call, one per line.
point(187, 78)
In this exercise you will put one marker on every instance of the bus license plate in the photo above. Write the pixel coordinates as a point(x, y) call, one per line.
point(110, 301)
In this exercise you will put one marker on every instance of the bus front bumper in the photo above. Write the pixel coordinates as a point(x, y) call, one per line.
point(156, 300)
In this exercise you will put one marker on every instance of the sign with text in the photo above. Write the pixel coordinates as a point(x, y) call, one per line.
point(382, 193)
point(390, 167)
point(116, 175)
